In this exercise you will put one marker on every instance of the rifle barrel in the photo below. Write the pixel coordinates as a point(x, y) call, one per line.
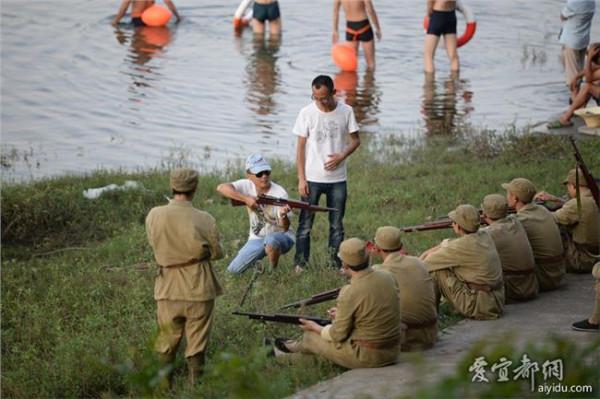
point(282, 318)
point(317, 298)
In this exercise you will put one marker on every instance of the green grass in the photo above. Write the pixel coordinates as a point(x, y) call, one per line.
point(78, 316)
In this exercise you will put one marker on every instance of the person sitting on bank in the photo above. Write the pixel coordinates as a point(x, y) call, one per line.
point(270, 234)
point(542, 232)
point(467, 270)
point(365, 331)
point(516, 255)
point(581, 92)
point(581, 226)
point(592, 324)
point(137, 9)
point(417, 293)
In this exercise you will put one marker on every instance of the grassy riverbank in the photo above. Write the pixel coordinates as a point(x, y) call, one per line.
point(77, 275)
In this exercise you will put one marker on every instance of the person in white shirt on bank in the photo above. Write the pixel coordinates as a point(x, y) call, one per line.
point(270, 234)
point(327, 134)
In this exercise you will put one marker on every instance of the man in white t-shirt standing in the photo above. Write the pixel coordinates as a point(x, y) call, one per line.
point(270, 233)
point(327, 134)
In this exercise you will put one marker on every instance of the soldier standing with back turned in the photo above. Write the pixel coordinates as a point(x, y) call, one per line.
point(184, 240)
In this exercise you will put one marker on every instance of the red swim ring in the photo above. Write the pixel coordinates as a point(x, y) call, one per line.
point(471, 24)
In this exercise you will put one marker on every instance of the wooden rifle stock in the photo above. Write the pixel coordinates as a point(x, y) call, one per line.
point(317, 298)
point(591, 182)
point(282, 318)
point(269, 200)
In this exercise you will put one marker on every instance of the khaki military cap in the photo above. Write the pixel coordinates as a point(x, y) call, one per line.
point(184, 180)
point(467, 217)
point(353, 252)
point(522, 188)
point(571, 178)
point(388, 238)
point(495, 206)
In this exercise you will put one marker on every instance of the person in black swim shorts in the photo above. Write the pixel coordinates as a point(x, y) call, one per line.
point(442, 22)
point(137, 9)
point(263, 11)
point(358, 27)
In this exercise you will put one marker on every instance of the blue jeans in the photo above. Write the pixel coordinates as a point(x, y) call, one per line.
point(254, 250)
point(335, 194)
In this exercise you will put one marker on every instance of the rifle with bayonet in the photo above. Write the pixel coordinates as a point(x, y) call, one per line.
point(282, 318)
point(264, 199)
point(317, 298)
point(591, 182)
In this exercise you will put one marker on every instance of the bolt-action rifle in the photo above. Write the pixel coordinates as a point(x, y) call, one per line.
point(282, 318)
point(317, 298)
point(270, 200)
point(591, 182)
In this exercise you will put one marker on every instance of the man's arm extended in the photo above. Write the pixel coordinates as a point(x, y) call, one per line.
point(227, 190)
point(121, 13)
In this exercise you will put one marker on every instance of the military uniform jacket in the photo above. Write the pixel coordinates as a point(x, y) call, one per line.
point(542, 231)
point(417, 295)
point(367, 309)
point(179, 233)
point(584, 227)
point(472, 257)
point(512, 244)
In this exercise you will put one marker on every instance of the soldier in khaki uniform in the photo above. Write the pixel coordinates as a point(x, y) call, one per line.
point(593, 323)
point(542, 232)
point(467, 270)
point(417, 294)
point(516, 255)
point(184, 240)
point(581, 228)
point(366, 322)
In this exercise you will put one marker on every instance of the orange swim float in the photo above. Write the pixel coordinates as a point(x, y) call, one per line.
point(471, 24)
point(156, 15)
point(344, 56)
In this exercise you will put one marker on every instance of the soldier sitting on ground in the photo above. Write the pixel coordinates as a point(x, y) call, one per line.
point(366, 321)
point(580, 226)
point(417, 293)
point(542, 232)
point(467, 270)
point(516, 255)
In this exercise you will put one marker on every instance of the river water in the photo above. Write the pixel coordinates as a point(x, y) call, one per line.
point(78, 94)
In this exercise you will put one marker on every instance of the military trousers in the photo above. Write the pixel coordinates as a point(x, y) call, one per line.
point(177, 319)
point(475, 304)
point(347, 354)
point(579, 258)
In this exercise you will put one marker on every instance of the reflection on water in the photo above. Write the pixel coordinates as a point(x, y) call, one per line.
point(364, 97)
point(145, 43)
point(445, 104)
point(263, 77)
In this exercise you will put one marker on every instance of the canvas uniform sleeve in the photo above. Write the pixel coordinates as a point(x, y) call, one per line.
point(149, 224)
point(443, 258)
point(301, 125)
point(214, 239)
point(567, 215)
point(342, 326)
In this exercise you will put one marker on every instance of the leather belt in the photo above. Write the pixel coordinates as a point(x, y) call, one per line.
point(390, 344)
point(482, 287)
point(425, 324)
point(518, 272)
point(184, 264)
point(550, 260)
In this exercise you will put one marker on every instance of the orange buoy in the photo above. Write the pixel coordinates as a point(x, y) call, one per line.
point(156, 16)
point(345, 81)
point(344, 57)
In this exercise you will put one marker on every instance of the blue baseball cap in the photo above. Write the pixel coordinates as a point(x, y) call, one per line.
point(256, 163)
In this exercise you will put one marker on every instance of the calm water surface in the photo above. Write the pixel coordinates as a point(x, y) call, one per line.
point(78, 94)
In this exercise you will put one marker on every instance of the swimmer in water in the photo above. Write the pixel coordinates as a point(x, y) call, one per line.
point(137, 8)
point(442, 22)
point(358, 27)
